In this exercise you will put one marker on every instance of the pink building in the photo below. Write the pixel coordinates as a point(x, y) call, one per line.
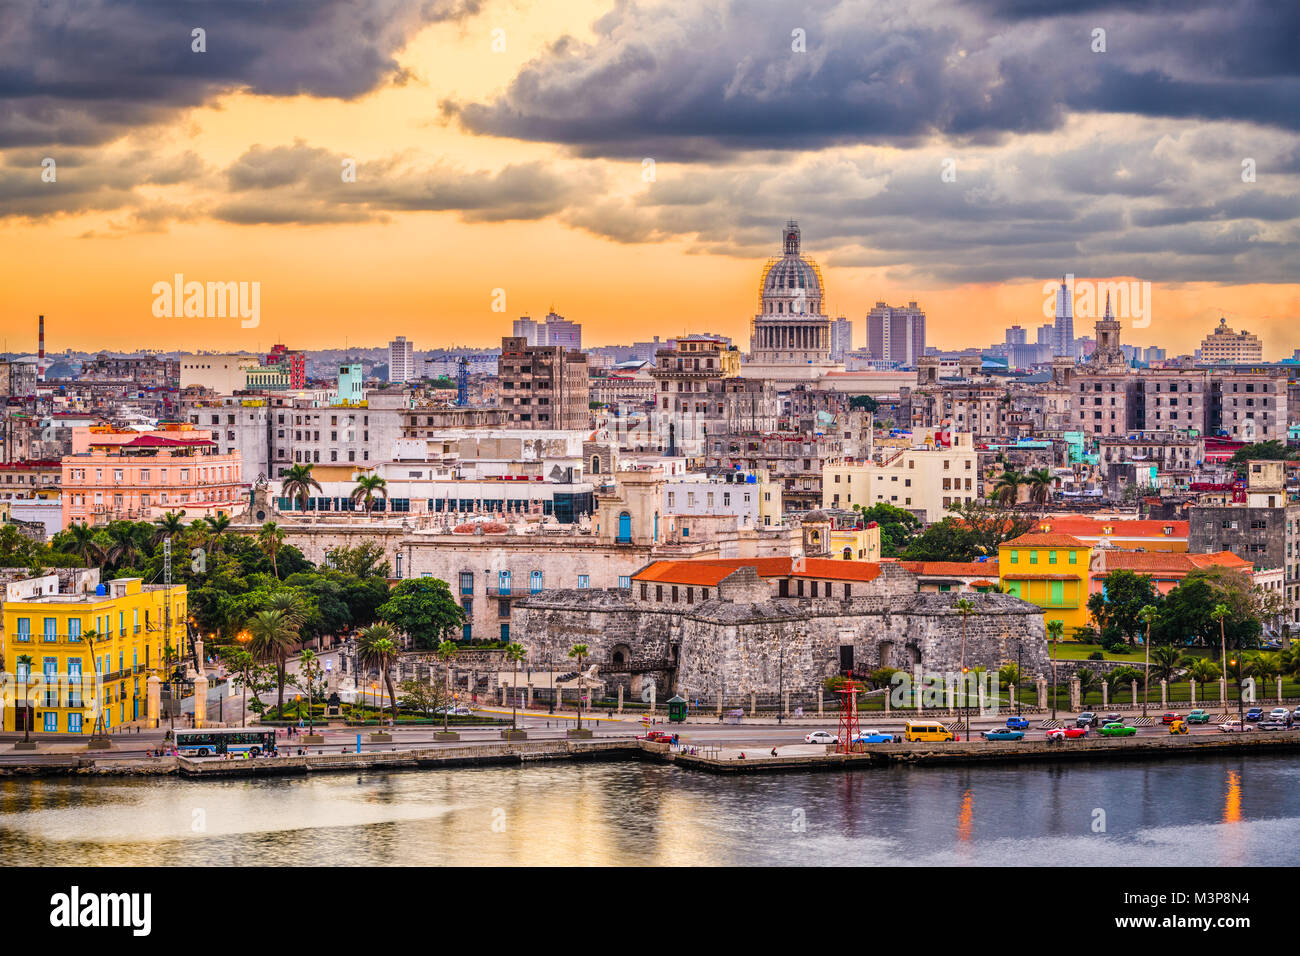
point(140, 475)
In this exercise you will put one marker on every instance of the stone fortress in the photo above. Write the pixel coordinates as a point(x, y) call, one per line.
point(731, 628)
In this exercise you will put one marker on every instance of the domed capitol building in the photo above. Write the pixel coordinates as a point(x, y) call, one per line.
point(790, 337)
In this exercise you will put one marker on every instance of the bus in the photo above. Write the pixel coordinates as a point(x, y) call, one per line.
point(217, 741)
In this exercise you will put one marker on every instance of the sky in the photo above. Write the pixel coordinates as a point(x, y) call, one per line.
point(630, 165)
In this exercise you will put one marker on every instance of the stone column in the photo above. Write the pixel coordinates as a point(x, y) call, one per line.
point(1011, 696)
point(821, 700)
point(1164, 694)
point(200, 700)
point(980, 694)
point(719, 705)
point(1076, 693)
point(1223, 694)
point(886, 703)
point(620, 698)
point(753, 703)
point(198, 653)
point(785, 704)
point(1279, 691)
point(1042, 692)
point(1135, 693)
point(1191, 689)
point(1105, 695)
point(153, 695)
point(530, 695)
point(951, 691)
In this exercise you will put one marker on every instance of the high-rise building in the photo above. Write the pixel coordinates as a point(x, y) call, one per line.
point(401, 360)
point(1063, 329)
point(1226, 345)
point(1047, 336)
point(543, 386)
point(896, 335)
point(1153, 354)
point(1017, 336)
point(553, 330)
point(841, 339)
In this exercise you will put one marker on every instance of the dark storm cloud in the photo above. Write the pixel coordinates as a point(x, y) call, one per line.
point(89, 181)
point(717, 76)
point(303, 184)
point(82, 72)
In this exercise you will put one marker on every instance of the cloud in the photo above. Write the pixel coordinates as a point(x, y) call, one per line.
point(720, 76)
point(83, 72)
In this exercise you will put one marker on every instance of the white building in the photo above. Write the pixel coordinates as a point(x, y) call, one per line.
point(401, 360)
point(224, 374)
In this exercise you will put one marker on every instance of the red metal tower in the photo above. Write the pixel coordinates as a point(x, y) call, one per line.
point(849, 730)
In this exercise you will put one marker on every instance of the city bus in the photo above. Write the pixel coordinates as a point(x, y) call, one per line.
point(218, 741)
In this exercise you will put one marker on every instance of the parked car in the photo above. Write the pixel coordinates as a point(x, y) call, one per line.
point(877, 737)
point(999, 734)
point(1295, 714)
point(1255, 713)
point(1280, 713)
point(1113, 719)
point(458, 711)
point(1169, 716)
point(1086, 719)
point(1067, 733)
point(656, 736)
point(1234, 726)
point(1272, 723)
point(1117, 730)
point(1017, 723)
point(1198, 716)
point(821, 737)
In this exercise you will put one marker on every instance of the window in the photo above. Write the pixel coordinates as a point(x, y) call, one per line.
point(535, 582)
point(1033, 557)
point(625, 581)
point(467, 582)
point(584, 581)
point(1074, 557)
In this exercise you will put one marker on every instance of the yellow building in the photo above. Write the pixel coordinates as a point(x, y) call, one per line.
point(55, 662)
point(856, 544)
point(1050, 570)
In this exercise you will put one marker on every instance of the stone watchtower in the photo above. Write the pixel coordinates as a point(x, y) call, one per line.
point(816, 527)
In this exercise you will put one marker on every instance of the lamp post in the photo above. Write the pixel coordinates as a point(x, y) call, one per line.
point(550, 670)
point(780, 700)
point(1019, 676)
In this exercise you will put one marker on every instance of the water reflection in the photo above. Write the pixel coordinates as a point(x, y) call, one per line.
point(1211, 812)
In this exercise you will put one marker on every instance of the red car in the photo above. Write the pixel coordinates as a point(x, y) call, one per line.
point(1169, 716)
point(657, 735)
point(1066, 733)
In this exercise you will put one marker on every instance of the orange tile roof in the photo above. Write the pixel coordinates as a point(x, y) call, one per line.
point(954, 568)
point(712, 571)
point(1120, 528)
point(1169, 562)
point(1039, 539)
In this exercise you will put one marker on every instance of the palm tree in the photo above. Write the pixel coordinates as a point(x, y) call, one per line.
point(1200, 669)
point(1007, 488)
point(1040, 485)
point(1166, 661)
point(25, 667)
point(217, 525)
point(579, 651)
point(270, 539)
point(241, 661)
point(376, 646)
point(82, 543)
point(515, 654)
point(964, 608)
point(446, 653)
point(297, 484)
point(1220, 614)
point(124, 546)
point(1269, 666)
point(1054, 630)
point(272, 634)
point(368, 486)
point(168, 526)
point(1147, 616)
point(290, 603)
point(1088, 680)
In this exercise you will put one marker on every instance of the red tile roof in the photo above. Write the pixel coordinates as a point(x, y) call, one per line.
point(1039, 539)
point(710, 572)
point(1120, 528)
point(953, 568)
point(1168, 562)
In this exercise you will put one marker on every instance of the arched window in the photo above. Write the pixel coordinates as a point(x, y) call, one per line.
point(848, 554)
point(624, 528)
point(595, 464)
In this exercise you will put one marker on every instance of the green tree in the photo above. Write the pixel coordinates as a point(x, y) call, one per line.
point(297, 484)
point(271, 539)
point(1166, 661)
point(446, 652)
point(377, 647)
point(864, 402)
point(1007, 488)
point(80, 540)
point(169, 525)
point(1118, 607)
point(424, 609)
point(368, 488)
point(1040, 486)
point(272, 635)
point(897, 527)
point(579, 651)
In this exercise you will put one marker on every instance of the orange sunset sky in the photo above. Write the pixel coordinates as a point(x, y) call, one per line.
point(503, 145)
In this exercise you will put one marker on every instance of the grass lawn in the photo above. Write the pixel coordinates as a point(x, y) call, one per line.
point(1075, 651)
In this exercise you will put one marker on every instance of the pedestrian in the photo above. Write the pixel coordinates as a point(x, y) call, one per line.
point(742, 755)
point(773, 751)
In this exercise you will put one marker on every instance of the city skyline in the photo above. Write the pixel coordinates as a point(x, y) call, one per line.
point(522, 156)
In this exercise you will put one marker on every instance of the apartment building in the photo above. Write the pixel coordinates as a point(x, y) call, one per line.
point(926, 480)
point(141, 475)
point(543, 386)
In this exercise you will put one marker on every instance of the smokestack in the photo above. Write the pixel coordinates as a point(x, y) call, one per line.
point(40, 352)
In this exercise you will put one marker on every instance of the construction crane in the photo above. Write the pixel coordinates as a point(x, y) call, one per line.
point(462, 382)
